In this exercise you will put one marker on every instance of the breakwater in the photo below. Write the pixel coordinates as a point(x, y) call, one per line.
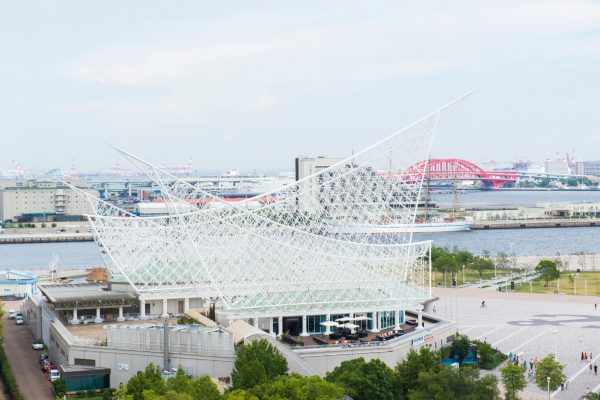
point(45, 238)
point(532, 223)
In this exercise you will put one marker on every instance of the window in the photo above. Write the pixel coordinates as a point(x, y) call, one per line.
point(387, 319)
point(313, 323)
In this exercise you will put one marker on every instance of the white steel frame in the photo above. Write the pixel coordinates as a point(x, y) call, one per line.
point(305, 247)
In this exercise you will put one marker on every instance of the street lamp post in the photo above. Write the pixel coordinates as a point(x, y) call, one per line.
point(548, 379)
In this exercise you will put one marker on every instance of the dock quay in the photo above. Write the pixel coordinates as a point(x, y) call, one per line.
point(533, 223)
point(45, 238)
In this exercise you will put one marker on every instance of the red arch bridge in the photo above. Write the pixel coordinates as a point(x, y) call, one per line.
point(455, 169)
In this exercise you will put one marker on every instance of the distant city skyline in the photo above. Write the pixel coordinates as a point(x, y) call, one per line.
point(249, 86)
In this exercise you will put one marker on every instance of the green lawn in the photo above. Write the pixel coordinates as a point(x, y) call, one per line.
point(589, 279)
point(469, 276)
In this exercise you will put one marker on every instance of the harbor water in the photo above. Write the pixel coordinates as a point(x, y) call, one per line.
point(540, 241)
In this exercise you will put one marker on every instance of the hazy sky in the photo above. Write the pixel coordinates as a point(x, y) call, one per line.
point(253, 84)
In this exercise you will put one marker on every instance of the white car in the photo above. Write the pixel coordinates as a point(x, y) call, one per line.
point(38, 345)
point(53, 375)
point(19, 320)
point(12, 314)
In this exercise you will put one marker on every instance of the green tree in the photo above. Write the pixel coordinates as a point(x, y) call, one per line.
point(460, 346)
point(240, 394)
point(502, 260)
point(149, 379)
point(407, 372)
point(363, 380)
point(296, 387)
point(513, 378)
point(122, 393)
point(256, 363)
point(444, 263)
point(179, 383)
point(547, 270)
point(591, 396)
point(203, 388)
point(549, 367)
point(455, 384)
point(481, 264)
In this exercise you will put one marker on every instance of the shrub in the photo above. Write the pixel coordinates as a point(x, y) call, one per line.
point(8, 378)
point(53, 225)
point(91, 392)
point(59, 387)
point(490, 357)
point(106, 394)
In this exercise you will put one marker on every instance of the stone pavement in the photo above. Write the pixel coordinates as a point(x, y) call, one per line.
point(534, 324)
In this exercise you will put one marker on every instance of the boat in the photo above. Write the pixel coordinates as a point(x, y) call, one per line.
point(392, 228)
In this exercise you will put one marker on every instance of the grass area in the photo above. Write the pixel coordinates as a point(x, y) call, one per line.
point(470, 276)
point(587, 282)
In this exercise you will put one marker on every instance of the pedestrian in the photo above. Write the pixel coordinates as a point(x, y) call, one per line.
point(590, 368)
point(582, 356)
point(595, 306)
point(562, 386)
point(434, 309)
point(595, 369)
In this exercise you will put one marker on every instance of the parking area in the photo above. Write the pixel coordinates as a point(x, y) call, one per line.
point(533, 324)
point(23, 359)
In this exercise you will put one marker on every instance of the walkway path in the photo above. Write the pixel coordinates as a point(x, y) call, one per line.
point(23, 359)
point(535, 324)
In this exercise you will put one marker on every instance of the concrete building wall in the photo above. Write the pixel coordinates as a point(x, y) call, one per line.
point(306, 167)
point(326, 359)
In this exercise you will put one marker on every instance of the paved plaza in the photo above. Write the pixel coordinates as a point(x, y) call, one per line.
point(534, 324)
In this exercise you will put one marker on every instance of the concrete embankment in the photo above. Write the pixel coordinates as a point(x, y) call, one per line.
point(540, 223)
point(45, 238)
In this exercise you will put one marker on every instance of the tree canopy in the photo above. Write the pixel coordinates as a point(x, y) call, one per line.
point(257, 363)
point(549, 367)
point(460, 347)
point(547, 270)
point(455, 384)
point(513, 378)
point(363, 380)
point(407, 372)
point(150, 385)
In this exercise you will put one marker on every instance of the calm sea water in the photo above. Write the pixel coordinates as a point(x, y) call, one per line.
point(546, 241)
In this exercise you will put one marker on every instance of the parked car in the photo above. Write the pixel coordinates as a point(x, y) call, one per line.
point(53, 375)
point(19, 320)
point(42, 357)
point(47, 365)
point(12, 314)
point(38, 345)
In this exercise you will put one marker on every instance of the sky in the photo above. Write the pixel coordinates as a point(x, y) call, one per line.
point(251, 85)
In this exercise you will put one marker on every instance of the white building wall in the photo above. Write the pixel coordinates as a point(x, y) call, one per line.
point(325, 359)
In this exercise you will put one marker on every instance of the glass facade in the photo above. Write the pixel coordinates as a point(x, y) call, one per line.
point(313, 323)
point(387, 319)
point(86, 382)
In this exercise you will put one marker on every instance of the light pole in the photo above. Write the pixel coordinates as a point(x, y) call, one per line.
point(548, 379)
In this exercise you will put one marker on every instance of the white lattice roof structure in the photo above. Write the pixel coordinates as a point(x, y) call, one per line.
point(298, 251)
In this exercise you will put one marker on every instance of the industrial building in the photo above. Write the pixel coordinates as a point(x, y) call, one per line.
point(17, 283)
point(25, 200)
point(589, 168)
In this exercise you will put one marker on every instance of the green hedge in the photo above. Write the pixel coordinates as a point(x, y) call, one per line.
point(490, 357)
point(8, 378)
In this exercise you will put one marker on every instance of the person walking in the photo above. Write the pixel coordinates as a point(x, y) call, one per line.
point(590, 368)
point(582, 356)
point(595, 369)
